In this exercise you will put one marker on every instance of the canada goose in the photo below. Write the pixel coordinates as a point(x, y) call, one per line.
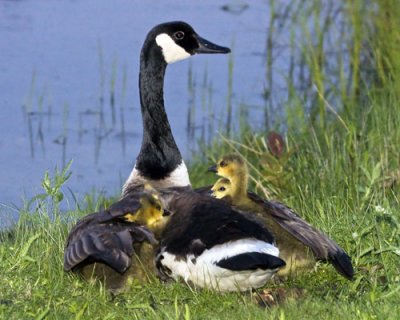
point(102, 244)
point(159, 161)
point(209, 244)
point(294, 236)
point(240, 256)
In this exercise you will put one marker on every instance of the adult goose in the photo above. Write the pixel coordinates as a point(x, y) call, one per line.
point(159, 161)
point(206, 243)
point(300, 243)
point(102, 245)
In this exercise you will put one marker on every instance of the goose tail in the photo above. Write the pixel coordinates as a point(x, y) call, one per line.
point(342, 263)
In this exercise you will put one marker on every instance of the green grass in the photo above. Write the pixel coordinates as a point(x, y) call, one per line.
point(34, 285)
point(337, 181)
point(340, 171)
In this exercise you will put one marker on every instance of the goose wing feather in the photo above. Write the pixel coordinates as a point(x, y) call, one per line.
point(99, 237)
point(204, 190)
point(322, 246)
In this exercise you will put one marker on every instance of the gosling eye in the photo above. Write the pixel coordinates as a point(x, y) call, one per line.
point(158, 207)
point(222, 164)
point(179, 35)
point(221, 189)
point(166, 213)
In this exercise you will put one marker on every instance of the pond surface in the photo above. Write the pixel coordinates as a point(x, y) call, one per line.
point(68, 83)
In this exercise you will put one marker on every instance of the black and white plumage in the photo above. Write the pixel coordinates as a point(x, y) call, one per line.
point(159, 161)
point(209, 244)
point(206, 242)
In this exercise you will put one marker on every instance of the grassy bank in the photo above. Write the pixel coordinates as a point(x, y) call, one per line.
point(340, 170)
point(346, 191)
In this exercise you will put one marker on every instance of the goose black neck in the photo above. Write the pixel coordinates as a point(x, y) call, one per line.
point(159, 154)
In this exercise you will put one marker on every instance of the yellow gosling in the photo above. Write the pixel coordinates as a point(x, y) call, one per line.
point(150, 214)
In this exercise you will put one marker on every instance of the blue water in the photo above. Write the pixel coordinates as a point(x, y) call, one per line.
point(57, 60)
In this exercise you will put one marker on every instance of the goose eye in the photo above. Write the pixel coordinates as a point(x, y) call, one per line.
point(222, 164)
point(179, 35)
point(158, 207)
point(222, 189)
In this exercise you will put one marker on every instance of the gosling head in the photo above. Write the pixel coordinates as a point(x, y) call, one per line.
point(230, 166)
point(150, 213)
point(176, 41)
point(221, 189)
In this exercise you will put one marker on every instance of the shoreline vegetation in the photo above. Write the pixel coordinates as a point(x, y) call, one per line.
point(339, 168)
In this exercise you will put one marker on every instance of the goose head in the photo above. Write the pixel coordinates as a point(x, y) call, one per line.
point(230, 166)
point(150, 213)
point(175, 41)
point(221, 189)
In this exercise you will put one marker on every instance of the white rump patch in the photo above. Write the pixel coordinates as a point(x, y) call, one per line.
point(171, 51)
point(178, 178)
point(203, 271)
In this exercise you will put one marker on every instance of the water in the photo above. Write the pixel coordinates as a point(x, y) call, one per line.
point(59, 63)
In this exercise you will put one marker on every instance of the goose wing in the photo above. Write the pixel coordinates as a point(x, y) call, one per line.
point(211, 244)
point(115, 213)
point(206, 190)
point(111, 242)
point(322, 246)
point(128, 204)
point(98, 245)
point(207, 219)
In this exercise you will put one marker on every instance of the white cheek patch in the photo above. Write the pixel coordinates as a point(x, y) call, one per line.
point(171, 51)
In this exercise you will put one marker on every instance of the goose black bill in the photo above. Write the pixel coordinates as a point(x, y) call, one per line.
point(206, 46)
